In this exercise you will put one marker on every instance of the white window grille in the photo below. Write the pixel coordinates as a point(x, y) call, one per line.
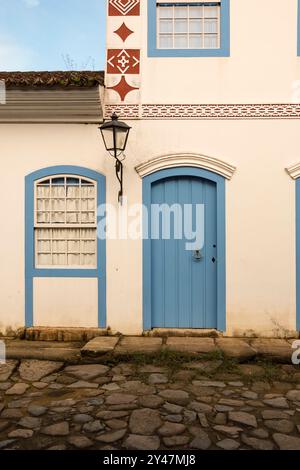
point(65, 222)
point(189, 26)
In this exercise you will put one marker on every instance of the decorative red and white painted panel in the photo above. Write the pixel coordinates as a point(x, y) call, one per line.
point(122, 88)
point(124, 61)
point(121, 61)
point(124, 8)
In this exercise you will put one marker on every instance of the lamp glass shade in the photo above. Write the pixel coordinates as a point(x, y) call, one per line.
point(108, 138)
point(115, 135)
point(121, 138)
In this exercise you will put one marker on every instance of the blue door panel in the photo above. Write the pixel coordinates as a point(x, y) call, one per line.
point(158, 274)
point(184, 287)
point(184, 291)
point(170, 260)
point(198, 294)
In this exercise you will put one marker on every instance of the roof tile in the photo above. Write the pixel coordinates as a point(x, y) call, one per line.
point(84, 79)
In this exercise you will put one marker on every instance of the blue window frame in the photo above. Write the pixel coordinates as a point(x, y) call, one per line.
point(31, 271)
point(222, 51)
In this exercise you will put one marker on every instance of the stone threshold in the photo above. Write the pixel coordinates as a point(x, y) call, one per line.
point(62, 334)
point(179, 332)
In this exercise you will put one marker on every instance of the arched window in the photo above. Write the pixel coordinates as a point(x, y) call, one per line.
point(65, 222)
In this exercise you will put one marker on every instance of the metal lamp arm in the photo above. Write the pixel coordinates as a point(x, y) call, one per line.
point(119, 175)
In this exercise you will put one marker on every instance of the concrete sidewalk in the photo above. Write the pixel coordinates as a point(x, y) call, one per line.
point(243, 350)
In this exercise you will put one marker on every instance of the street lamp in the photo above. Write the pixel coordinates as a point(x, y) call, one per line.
point(115, 135)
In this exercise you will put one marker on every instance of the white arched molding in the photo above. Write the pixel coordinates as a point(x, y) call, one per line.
point(198, 161)
point(294, 171)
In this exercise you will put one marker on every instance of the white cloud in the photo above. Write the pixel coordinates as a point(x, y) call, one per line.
point(15, 57)
point(31, 3)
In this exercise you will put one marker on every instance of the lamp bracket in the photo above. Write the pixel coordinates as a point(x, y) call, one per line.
point(119, 175)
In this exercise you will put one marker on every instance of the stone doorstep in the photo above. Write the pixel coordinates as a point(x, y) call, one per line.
point(191, 345)
point(279, 349)
point(236, 348)
point(62, 334)
point(231, 347)
point(138, 344)
point(179, 332)
point(100, 345)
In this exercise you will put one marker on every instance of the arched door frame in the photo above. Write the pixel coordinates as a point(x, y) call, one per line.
point(221, 238)
point(31, 271)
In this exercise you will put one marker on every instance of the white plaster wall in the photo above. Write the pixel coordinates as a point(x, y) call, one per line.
point(67, 302)
point(260, 204)
point(27, 148)
point(262, 66)
point(260, 215)
point(260, 209)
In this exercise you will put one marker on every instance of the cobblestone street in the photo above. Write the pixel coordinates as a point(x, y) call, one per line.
point(207, 404)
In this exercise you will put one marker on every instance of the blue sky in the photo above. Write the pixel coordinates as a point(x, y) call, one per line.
point(52, 34)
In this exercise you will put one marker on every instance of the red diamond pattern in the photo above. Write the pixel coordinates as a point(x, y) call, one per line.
point(122, 88)
point(123, 32)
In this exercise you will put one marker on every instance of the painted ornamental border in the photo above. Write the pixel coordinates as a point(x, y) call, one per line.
point(205, 111)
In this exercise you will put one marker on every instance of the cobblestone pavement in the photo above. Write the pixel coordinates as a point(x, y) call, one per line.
point(199, 405)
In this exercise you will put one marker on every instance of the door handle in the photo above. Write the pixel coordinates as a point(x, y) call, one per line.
point(197, 255)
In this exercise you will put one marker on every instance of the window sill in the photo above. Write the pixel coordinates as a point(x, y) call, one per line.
point(223, 52)
point(63, 272)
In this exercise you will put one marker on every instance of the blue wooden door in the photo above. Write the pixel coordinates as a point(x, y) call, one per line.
point(184, 287)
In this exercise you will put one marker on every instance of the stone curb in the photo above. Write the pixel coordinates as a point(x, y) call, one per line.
point(241, 350)
point(50, 351)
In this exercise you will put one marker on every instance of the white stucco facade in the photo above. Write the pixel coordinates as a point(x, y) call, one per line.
point(254, 151)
